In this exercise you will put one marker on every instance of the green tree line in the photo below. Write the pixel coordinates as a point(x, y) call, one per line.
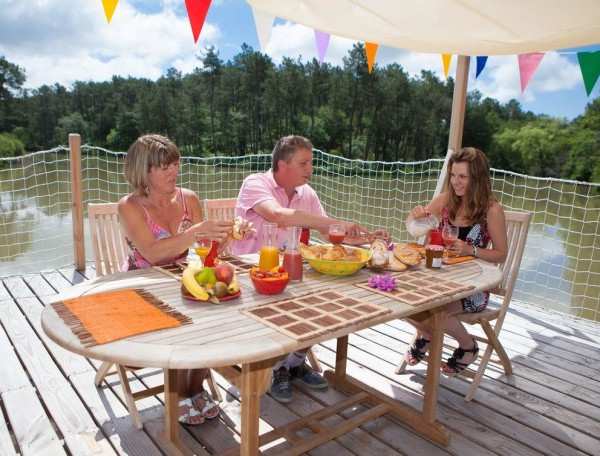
point(243, 105)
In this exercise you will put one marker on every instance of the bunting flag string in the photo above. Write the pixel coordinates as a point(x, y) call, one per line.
point(109, 8)
point(371, 51)
point(322, 42)
point(263, 23)
point(446, 60)
point(589, 63)
point(197, 10)
point(481, 61)
point(528, 64)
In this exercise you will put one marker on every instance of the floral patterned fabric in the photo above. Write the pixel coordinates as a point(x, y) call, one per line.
point(478, 236)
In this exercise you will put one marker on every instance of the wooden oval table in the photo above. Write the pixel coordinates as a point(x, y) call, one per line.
point(226, 335)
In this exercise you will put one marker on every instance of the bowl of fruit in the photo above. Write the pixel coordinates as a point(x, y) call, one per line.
point(269, 282)
point(214, 284)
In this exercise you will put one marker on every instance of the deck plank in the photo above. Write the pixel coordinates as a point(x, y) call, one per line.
point(6, 442)
point(549, 406)
point(70, 415)
point(552, 419)
point(533, 429)
point(33, 430)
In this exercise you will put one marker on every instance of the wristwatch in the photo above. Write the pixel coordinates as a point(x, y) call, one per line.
point(474, 250)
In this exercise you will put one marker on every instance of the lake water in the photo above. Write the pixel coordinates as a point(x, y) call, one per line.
point(560, 269)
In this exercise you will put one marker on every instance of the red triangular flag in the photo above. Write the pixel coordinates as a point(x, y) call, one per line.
point(197, 10)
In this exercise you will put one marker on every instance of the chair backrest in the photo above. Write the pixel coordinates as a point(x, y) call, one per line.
point(219, 209)
point(108, 241)
point(517, 227)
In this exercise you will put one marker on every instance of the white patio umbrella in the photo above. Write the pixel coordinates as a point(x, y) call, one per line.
point(463, 27)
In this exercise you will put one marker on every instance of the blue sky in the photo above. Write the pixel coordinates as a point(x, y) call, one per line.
point(57, 42)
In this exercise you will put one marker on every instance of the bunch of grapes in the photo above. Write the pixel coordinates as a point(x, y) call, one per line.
point(384, 282)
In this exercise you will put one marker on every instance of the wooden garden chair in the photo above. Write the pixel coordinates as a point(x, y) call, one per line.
point(491, 320)
point(224, 209)
point(110, 252)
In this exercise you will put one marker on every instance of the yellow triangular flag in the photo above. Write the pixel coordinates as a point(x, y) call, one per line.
point(446, 59)
point(371, 51)
point(109, 8)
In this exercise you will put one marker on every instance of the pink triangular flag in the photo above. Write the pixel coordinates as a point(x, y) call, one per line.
point(528, 64)
point(446, 60)
point(197, 10)
point(109, 8)
point(371, 51)
point(322, 40)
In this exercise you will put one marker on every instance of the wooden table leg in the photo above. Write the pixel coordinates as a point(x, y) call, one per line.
point(341, 358)
point(252, 378)
point(438, 319)
point(172, 410)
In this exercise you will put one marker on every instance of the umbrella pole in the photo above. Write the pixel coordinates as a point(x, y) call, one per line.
point(457, 118)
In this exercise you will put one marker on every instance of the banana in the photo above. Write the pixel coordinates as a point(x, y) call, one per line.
point(189, 281)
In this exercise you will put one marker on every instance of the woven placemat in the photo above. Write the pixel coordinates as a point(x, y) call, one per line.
point(311, 315)
point(105, 317)
point(416, 288)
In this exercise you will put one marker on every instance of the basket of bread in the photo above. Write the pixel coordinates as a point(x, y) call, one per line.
point(335, 260)
point(393, 258)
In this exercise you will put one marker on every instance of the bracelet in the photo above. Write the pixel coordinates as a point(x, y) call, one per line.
point(474, 250)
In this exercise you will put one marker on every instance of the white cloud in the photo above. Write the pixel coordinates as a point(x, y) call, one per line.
point(292, 40)
point(57, 42)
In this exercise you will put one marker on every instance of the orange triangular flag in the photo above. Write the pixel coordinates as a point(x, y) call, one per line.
point(446, 60)
point(197, 10)
point(109, 8)
point(371, 51)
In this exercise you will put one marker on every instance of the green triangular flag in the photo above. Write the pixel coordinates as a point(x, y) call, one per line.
point(589, 62)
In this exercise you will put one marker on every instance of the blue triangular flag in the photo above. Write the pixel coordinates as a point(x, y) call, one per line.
point(481, 61)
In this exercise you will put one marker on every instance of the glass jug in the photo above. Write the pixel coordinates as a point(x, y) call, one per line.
point(292, 260)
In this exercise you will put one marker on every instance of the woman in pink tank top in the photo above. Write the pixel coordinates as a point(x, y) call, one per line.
point(161, 221)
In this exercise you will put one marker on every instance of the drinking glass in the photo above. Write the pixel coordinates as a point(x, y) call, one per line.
point(449, 235)
point(337, 233)
point(202, 247)
point(269, 253)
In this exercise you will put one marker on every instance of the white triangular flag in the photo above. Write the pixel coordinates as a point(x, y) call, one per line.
point(264, 25)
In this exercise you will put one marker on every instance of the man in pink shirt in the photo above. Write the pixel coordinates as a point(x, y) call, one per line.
point(282, 196)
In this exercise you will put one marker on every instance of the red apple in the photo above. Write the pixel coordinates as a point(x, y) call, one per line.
point(224, 272)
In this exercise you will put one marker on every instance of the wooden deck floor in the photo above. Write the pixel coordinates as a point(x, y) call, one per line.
point(550, 406)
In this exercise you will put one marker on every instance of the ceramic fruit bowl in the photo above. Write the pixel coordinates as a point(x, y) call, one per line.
point(270, 282)
point(341, 267)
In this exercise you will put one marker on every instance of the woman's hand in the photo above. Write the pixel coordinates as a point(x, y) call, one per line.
point(213, 229)
point(460, 248)
point(418, 212)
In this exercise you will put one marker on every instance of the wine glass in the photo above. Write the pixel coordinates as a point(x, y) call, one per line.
point(449, 236)
point(202, 247)
point(337, 233)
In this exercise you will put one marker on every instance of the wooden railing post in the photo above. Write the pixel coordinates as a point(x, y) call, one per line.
point(77, 201)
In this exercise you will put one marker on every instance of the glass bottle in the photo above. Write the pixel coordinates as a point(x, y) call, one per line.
point(269, 253)
point(292, 260)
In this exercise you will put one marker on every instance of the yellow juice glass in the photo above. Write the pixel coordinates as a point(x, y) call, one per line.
point(202, 252)
point(269, 258)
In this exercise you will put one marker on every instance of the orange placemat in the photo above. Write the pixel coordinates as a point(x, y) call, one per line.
point(106, 317)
